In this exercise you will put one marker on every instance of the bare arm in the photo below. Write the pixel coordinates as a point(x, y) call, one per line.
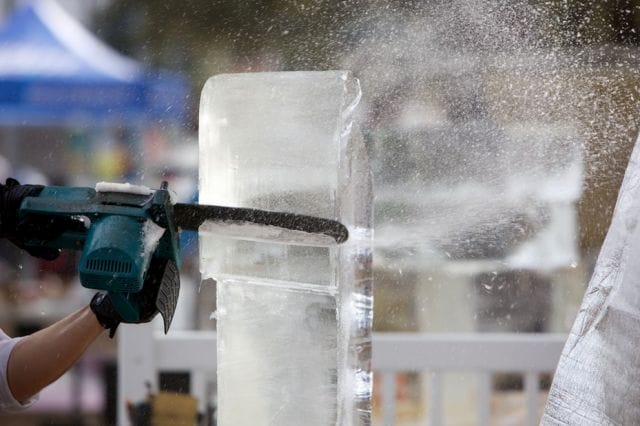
point(41, 358)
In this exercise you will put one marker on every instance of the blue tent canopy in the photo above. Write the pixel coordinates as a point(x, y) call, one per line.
point(54, 72)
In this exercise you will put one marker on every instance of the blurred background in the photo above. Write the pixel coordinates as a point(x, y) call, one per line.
point(499, 133)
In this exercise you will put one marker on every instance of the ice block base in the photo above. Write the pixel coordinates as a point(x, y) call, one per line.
point(283, 367)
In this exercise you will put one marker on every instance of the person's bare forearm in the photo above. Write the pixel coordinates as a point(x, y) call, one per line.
point(40, 358)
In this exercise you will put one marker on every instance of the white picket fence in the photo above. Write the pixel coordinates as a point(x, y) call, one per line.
point(483, 353)
point(143, 352)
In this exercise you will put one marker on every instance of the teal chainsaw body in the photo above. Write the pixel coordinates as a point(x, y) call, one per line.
point(127, 240)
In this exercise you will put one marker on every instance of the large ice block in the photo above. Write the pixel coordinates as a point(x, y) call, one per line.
point(294, 321)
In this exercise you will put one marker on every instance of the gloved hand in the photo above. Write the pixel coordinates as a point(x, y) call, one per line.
point(19, 231)
point(109, 317)
point(105, 312)
point(146, 299)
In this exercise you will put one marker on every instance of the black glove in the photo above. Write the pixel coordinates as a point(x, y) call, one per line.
point(20, 231)
point(110, 319)
point(146, 299)
point(104, 311)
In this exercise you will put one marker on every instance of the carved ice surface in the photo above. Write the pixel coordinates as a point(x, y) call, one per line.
point(294, 321)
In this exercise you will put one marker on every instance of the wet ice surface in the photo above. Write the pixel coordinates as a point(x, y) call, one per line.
point(294, 319)
point(279, 353)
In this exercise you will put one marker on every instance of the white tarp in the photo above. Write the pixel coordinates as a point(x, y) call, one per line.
point(597, 379)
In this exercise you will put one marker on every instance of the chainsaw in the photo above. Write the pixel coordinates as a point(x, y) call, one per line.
point(128, 236)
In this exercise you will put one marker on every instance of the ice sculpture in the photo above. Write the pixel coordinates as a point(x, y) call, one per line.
point(596, 381)
point(294, 321)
